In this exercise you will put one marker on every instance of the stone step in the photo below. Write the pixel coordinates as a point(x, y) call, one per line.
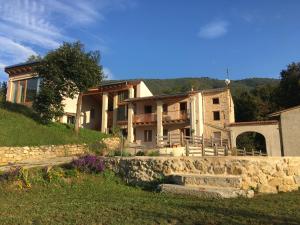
point(206, 191)
point(206, 179)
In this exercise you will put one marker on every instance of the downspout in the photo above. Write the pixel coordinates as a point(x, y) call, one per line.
point(280, 136)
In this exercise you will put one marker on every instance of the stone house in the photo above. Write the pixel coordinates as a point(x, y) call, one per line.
point(144, 118)
point(289, 130)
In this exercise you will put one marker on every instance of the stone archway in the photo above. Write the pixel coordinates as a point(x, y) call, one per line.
point(252, 140)
point(269, 129)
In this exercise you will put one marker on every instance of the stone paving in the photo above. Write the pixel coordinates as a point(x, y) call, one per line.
point(39, 162)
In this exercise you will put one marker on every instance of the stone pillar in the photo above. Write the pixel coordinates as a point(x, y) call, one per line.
point(159, 128)
point(115, 109)
point(131, 92)
point(104, 112)
point(130, 136)
point(193, 114)
point(199, 115)
point(9, 90)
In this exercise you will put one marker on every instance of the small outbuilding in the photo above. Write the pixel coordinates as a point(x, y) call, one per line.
point(289, 130)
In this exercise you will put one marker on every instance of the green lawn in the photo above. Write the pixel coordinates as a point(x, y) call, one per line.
point(104, 199)
point(20, 127)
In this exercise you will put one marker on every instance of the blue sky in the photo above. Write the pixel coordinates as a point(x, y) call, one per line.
point(159, 38)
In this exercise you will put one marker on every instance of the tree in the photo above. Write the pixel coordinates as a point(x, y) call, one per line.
point(34, 58)
point(246, 108)
point(3, 90)
point(66, 72)
point(288, 92)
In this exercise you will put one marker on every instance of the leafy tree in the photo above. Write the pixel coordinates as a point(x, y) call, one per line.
point(34, 58)
point(66, 72)
point(3, 90)
point(288, 92)
point(246, 108)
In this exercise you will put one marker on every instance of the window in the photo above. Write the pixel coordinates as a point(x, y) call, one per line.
point(147, 135)
point(216, 115)
point(92, 113)
point(165, 132)
point(122, 113)
point(70, 119)
point(31, 91)
point(165, 108)
point(122, 95)
point(148, 109)
point(24, 90)
point(216, 101)
point(183, 106)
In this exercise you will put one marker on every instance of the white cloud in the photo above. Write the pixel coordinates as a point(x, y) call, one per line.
point(26, 25)
point(213, 30)
point(108, 74)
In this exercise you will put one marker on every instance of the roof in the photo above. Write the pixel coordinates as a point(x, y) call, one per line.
point(114, 82)
point(214, 90)
point(253, 123)
point(282, 111)
point(20, 65)
point(158, 97)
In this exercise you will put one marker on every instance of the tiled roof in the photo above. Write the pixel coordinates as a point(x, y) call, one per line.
point(282, 111)
point(266, 122)
point(20, 65)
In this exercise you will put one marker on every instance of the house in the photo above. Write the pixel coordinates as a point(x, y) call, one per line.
point(143, 118)
point(289, 130)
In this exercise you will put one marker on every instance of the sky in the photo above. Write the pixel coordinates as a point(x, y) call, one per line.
point(158, 38)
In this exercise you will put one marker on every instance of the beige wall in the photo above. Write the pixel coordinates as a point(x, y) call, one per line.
point(269, 131)
point(143, 90)
point(226, 109)
point(139, 135)
point(290, 127)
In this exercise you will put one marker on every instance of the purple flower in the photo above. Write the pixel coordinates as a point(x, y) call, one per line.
point(89, 163)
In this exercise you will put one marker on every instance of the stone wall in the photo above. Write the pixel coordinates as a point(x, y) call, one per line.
point(16, 154)
point(262, 174)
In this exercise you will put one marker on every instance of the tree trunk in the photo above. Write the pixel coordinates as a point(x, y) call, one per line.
point(78, 112)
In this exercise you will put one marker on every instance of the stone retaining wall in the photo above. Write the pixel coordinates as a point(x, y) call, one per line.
point(262, 174)
point(16, 154)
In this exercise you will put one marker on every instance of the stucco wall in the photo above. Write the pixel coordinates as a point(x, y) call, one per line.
point(290, 127)
point(270, 132)
point(16, 154)
point(263, 174)
point(143, 90)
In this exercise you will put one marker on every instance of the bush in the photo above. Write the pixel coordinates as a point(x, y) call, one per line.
point(153, 153)
point(17, 174)
point(89, 164)
point(140, 153)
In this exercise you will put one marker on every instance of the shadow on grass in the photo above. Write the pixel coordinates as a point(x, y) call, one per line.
point(22, 109)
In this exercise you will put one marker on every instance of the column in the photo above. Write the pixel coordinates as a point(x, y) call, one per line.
point(199, 115)
point(115, 109)
point(131, 92)
point(9, 90)
point(159, 129)
point(130, 136)
point(104, 112)
point(193, 115)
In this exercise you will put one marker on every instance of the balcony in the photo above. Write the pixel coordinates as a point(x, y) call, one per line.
point(144, 118)
point(180, 115)
point(169, 117)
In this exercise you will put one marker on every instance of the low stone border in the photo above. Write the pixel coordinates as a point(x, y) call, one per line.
point(16, 154)
point(262, 174)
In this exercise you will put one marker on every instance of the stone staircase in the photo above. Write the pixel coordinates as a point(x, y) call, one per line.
point(206, 185)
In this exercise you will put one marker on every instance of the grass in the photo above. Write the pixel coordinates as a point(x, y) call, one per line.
point(104, 199)
point(20, 126)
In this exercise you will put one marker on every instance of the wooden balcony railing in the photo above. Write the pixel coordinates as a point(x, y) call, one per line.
point(144, 118)
point(175, 115)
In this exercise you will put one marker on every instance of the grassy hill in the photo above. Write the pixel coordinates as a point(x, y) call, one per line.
point(20, 127)
point(169, 86)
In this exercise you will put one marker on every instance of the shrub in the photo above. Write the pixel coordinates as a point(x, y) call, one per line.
point(153, 153)
point(17, 174)
point(140, 153)
point(89, 164)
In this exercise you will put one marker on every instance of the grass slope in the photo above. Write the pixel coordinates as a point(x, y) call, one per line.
point(19, 126)
point(101, 199)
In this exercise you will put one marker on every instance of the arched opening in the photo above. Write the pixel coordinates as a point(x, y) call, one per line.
point(251, 140)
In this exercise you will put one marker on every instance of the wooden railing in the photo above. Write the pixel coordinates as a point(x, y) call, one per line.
point(176, 115)
point(144, 118)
